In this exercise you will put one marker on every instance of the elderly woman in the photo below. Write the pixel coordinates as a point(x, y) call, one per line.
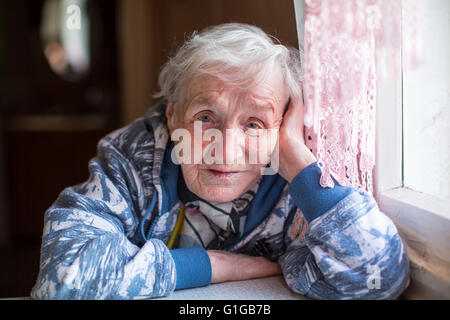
point(146, 224)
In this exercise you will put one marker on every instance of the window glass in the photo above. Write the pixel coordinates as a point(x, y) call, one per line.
point(426, 107)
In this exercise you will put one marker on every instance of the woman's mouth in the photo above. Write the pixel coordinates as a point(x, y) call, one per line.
point(222, 174)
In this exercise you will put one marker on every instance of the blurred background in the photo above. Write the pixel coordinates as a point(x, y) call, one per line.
point(72, 71)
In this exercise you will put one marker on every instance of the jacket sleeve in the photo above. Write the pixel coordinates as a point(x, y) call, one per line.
point(350, 250)
point(86, 250)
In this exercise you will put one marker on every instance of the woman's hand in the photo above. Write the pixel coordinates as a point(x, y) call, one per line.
point(227, 266)
point(294, 154)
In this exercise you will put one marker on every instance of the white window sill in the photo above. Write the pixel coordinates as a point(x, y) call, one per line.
point(423, 222)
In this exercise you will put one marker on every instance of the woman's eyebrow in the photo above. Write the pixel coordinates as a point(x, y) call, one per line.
point(261, 104)
point(266, 107)
point(202, 100)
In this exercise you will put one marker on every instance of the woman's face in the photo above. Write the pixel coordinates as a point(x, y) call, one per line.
point(239, 115)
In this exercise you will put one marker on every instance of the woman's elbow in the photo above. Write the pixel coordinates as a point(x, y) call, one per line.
point(388, 276)
point(48, 289)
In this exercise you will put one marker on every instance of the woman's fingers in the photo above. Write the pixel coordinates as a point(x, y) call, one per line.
point(292, 125)
point(294, 154)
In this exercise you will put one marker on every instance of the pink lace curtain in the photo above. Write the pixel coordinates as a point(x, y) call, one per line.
point(347, 44)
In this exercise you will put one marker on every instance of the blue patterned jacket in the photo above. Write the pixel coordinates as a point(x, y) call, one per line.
point(105, 238)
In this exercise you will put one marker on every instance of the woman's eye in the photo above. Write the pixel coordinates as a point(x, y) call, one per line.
point(204, 118)
point(253, 125)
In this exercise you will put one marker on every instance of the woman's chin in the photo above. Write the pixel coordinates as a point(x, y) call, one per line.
point(219, 187)
point(214, 193)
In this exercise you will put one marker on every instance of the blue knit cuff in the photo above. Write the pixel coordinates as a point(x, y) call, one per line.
point(193, 267)
point(311, 197)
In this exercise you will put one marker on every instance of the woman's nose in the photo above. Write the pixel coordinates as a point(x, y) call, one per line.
point(228, 146)
point(234, 146)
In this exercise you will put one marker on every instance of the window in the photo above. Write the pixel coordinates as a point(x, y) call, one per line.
point(412, 179)
point(412, 171)
point(426, 108)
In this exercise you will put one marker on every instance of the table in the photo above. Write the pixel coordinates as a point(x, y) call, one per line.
point(271, 288)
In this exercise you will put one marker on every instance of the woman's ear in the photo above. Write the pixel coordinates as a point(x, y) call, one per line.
point(170, 111)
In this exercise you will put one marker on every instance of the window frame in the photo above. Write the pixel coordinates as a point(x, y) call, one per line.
point(422, 220)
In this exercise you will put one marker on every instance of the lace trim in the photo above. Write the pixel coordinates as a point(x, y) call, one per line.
point(348, 45)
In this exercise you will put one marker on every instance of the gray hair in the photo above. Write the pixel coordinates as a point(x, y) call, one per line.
point(238, 54)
